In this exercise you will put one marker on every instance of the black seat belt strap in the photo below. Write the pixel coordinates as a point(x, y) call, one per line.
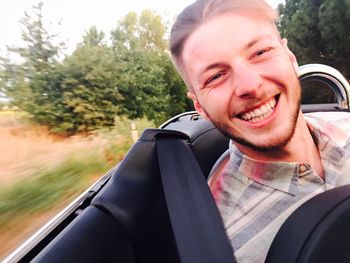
point(198, 229)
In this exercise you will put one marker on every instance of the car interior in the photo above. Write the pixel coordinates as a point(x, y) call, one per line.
point(125, 217)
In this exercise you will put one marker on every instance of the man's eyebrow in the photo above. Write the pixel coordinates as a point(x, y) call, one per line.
point(256, 40)
point(249, 45)
point(212, 66)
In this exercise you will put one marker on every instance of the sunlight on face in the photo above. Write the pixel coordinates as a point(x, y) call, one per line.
point(247, 85)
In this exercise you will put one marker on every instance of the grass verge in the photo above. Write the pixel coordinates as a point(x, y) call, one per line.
point(34, 196)
point(42, 190)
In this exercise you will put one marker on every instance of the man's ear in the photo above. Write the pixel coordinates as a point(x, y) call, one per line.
point(197, 105)
point(290, 54)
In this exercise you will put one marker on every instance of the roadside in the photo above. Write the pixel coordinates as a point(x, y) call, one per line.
point(40, 173)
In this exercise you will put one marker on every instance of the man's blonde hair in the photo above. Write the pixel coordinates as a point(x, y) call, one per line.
point(202, 10)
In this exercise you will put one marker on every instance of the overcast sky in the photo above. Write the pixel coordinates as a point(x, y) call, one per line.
point(79, 15)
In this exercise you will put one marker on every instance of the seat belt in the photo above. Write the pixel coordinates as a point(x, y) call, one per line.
point(198, 229)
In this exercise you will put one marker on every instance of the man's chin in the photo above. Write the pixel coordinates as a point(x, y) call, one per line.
point(274, 143)
point(268, 147)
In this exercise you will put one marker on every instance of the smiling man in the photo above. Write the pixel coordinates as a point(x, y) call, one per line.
point(243, 78)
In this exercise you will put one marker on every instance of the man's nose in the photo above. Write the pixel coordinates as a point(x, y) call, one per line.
point(247, 82)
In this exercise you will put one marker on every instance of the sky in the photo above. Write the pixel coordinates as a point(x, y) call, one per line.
point(77, 16)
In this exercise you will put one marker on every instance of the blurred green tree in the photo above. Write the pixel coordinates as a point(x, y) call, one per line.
point(318, 31)
point(148, 83)
point(93, 37)
point(133, 76)
point(89, 87)
point(33, 82)
point(334, 27)
point(299, 24)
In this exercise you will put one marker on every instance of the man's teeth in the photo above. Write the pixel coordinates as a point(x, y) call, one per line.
point(260, 113)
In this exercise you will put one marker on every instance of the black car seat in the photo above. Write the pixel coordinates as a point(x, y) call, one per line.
point(317, 232)
point(128, 221)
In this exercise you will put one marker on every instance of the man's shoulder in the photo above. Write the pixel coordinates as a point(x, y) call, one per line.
point(328, 116)
point(339, 119)
point(335, 125)
point(219, 165)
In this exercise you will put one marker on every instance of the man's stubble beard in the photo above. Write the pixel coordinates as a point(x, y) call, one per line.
point(283, 141)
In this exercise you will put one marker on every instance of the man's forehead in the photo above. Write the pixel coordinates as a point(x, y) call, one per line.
point(233, 31)
point(238, 25)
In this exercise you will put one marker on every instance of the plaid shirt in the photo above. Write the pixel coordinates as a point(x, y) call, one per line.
point(255, 197)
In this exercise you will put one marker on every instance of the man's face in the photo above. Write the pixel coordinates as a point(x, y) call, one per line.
point(244, 80)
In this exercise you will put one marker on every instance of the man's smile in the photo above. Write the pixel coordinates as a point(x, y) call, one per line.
point(261, 112)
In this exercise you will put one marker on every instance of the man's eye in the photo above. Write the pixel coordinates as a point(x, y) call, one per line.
point(214, 77)
point(260, 52)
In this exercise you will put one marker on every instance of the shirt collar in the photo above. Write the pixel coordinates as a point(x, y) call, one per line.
point(277, 175)
point(330, 141)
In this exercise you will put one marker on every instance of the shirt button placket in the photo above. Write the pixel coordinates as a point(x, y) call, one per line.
point(302, 169)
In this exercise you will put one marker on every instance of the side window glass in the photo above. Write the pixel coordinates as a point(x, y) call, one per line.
point(317, 92)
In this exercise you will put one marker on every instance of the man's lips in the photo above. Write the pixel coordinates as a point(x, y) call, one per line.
point(263, 111)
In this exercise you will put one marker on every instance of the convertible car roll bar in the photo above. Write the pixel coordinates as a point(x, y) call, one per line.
point(330, 76)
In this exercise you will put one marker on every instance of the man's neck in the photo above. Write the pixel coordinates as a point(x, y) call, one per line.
point(301, 148)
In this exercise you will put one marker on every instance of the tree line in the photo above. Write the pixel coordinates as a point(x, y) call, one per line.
point(132, 75)
point(318, 31)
